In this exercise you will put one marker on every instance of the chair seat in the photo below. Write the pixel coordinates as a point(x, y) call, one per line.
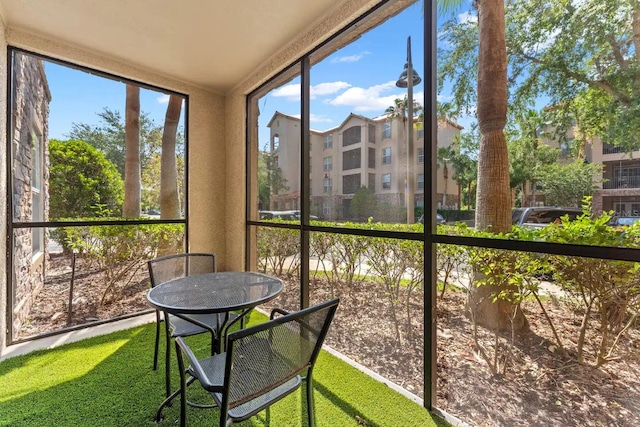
point(213, 381)
point(183, 328)
point(262, 364)
point(248, 409)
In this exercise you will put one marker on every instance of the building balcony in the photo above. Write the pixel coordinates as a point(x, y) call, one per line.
point(622, 183)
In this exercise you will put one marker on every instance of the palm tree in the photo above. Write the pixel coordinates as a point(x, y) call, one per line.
point(443, 157)
point(132, 179)
point(493, 195)
point(169, 196)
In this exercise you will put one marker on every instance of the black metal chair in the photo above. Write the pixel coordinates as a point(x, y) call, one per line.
point(172, 267)
point(261, 365)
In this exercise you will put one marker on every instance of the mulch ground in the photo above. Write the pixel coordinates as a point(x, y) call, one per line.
point(536, 385)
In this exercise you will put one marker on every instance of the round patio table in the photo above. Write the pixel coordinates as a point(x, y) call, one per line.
point(213, 293)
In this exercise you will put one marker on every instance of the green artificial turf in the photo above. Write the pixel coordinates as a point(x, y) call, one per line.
point(108, 381)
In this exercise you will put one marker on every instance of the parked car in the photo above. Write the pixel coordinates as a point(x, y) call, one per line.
point(283, 215)
point(623, 220)
point(540, 216)
point(439, 219)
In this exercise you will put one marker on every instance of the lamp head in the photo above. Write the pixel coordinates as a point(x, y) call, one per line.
point(403, 81)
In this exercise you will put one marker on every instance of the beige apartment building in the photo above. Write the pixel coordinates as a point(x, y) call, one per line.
point(360, 152)
point(618, 186)
point(619, 190)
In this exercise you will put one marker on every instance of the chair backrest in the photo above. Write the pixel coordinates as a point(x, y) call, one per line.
point(172, 267)
point(267, 355)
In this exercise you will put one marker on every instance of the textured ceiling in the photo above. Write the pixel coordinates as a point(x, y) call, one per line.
point(211, 43)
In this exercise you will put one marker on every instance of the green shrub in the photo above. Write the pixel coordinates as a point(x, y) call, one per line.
point(82, 181)
point(607, 288)
point(119, 251)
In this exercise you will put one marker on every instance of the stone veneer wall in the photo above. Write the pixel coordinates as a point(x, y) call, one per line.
point(3, 187)
point(31, 99)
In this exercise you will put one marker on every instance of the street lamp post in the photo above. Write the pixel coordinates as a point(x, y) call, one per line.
point(408, 79)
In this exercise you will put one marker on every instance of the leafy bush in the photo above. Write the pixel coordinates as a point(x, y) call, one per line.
point(363, 205)
point(121, 250)
point(275, 246)
point(607, 288)
point(84, 182)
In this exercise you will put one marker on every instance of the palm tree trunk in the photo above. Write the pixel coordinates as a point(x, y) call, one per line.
point(131, 207)
point(493, 201)
point(169, 195)
point(445, 174)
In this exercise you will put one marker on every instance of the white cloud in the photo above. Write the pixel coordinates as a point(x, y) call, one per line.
point(467, 17)
point(373, 98)
point(350, 58)
point(163, 99)
point(292, 92)
point(328, 88)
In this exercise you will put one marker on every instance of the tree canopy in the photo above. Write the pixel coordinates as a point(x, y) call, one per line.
point(567, 184)
point(109, 137)
point(84, 182)
point(580, 55)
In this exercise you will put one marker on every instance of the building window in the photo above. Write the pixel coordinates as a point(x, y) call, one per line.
point(386, 130)
point(386, 156)
point(372, 158)
point(276, 143)
point(327, 184)
point(420, 133)
point(37, 196)
point(386, 181)
point(420, 155)
point(372, 133)
point(565, 148)
point(328, 163)
point(326, 209)
point(328, 141)
point(372, 182)
point(420, 181)
point(351, 136)
point(351, 159)
point(350, 183)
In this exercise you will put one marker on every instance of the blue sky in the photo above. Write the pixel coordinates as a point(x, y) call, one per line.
point(358, 78)
point(78, 97)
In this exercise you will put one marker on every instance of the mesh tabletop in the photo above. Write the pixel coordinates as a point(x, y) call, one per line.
point(214, 292)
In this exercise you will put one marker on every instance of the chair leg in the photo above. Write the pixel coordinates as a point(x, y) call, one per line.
point(155, 353)
point(183, 388)
point(310, 408)
point(167, 359)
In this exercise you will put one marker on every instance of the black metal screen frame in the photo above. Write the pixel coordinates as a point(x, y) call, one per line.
point(430, 238)
point(13, 225)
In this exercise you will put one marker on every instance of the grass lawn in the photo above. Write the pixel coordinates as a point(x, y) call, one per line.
point(108, 381)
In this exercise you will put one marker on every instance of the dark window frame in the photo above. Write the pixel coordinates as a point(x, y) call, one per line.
point(429, 237)
point(12, 225)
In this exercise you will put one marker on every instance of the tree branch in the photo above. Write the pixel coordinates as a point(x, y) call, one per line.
point(600, 84)
point(617, 53)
